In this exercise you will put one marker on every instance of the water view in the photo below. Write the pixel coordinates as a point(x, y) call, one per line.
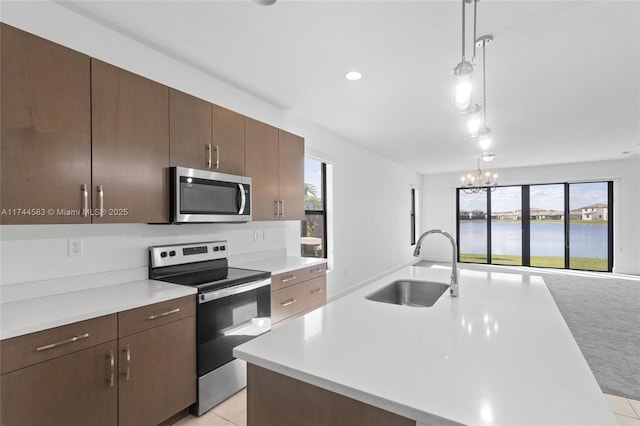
point(589, 240)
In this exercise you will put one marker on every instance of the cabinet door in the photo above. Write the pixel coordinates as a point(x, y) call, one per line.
point(46, 135)
point(291, 175)
point(261, 164)
point(130, 142)
point(75, 389)
point(157, 373)
point(190, 131)
point(228, 140)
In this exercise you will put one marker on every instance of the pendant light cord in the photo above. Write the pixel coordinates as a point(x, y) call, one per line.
point(484, 82)
point(463, 25)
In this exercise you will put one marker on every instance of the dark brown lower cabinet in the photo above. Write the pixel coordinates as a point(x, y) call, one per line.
point(136, 367)
point(157, 373)
point(76, 389)
point(275, 400)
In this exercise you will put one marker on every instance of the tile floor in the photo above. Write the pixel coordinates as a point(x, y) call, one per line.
point(233, 412)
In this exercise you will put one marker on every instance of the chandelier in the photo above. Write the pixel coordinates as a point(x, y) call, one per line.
point(474, 184)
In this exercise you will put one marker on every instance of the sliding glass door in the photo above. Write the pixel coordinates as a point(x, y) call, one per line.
point(589, 228)
point(546, 218)
point(472, 227)
point(566, 225)
point(506, 226)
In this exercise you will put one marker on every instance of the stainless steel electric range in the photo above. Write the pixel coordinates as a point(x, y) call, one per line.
point(234, 306)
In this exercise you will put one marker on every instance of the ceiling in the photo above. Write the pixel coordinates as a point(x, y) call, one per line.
point(563, 77)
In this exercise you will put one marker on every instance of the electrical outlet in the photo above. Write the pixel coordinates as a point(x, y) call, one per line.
point(265, 234)
point(256, 235)
point(75, 247)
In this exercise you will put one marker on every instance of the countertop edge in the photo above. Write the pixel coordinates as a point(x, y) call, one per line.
point(121, 305)
point(347, 391)
point(280, 265)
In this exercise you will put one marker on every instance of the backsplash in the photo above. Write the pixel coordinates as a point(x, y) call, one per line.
point(118, 252)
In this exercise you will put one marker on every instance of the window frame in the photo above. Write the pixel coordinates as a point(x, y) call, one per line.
point(526, 224)
point(322, 212)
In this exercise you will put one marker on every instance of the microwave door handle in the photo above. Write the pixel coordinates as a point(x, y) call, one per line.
point(243, 198)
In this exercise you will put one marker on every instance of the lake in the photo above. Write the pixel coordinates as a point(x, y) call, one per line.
point(547, 239)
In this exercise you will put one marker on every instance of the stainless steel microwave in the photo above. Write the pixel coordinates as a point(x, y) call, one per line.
point(203, 196)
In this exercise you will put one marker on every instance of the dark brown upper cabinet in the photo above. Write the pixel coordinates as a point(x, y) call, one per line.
point(130, 140)
point(274, 159)
point(291, 175)
point(205, 136)
point(190, 131)
point(228, 136)
point(261, 164)
point(45, 136)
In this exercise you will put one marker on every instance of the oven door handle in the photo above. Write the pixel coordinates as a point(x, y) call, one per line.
point(230, 291)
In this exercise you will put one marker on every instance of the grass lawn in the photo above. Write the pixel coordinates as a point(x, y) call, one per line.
point(583, 263)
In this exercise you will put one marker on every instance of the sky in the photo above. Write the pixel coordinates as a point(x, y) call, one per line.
point(550, 197)
point(313, 173)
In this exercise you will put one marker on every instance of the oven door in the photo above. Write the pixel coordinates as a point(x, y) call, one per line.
point(229, 317)
point(202, 196)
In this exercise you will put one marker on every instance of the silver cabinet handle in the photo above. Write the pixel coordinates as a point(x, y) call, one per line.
point(288, 302)
point(209, 156)
point(164, 314)
point(282, 216)
point(101, 199)
point(63, 342)
point(127, 358)
point(289, 278)
point(277, 202)
point(217, 157)
point(316, 291)
point(112, 368)
point(315, 271)
point(85, 200)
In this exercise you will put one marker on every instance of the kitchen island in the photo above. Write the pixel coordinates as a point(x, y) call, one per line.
point(499, 354)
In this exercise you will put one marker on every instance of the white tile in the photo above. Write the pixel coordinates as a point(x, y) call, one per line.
point(208, 419)
point(620, 405)
point(240, 419)
point(627, 421)
point(232, 406)
point(636, 406)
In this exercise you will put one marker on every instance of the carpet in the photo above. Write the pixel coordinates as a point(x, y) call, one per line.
point(603, 315)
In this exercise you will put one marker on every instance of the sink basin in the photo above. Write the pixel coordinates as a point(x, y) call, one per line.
point(409, 293)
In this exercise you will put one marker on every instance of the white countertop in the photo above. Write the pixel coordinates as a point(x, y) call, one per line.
point(31, 315)
point(500, 354)
point(279, 265)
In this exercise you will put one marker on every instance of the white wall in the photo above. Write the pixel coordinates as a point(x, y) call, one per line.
point(439, 203)
point(370, 193)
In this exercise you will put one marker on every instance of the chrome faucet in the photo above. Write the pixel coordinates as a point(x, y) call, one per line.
point(453, 289)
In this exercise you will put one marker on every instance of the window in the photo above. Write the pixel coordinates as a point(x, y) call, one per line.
point(314, 226)
point(567, 225)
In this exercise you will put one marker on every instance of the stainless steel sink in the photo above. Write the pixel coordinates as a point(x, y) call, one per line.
point(409, 293)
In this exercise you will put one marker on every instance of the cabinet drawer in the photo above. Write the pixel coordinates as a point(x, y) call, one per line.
point(33, 348)
point(146, 317)
point(287, 279)
point(297, 298)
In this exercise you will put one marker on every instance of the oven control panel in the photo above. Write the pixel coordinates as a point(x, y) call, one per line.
point(177, 254)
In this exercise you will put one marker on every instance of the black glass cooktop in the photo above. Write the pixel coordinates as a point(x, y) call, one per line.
point(207, 276)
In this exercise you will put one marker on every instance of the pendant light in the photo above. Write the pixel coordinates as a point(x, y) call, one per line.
point(464, 70)
point(484, 133)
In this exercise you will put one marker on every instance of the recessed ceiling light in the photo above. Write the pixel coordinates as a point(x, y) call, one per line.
point(353, 75)
point(265, 2)
point(626, 152)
